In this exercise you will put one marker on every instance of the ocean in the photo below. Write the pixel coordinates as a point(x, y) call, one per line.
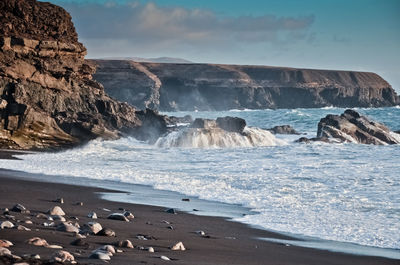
point(340, 192)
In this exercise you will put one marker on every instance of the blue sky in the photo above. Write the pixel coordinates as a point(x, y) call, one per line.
point(360, 35)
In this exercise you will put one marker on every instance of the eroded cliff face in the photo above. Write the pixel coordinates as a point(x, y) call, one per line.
point(48, 97)
point(222, 87)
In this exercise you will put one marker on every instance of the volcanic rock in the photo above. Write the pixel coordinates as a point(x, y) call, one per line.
point(353, 127)
point(283, 129)
point(231, 124)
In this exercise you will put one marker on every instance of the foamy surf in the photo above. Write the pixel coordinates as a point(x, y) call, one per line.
point(217, 138)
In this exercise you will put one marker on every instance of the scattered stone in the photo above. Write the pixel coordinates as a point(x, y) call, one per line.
point(50, 218)
point(92, 227)
point(37, 241)
point(108, 248)
point(56, 210)
point(35, 256)
point(28, 222)
point(80, 242)
point(118, 216)
point(6, 224)
point(41, 216)
point(92, 215)
point(54, 246)
point(165, 222)
point(106, 232)
point(79, 203)
point(119, 250)
point(200, 232)
point(45, 224)
point(58, 218)
point(172, 211)
point(5, 252)
point(283, 129)
point(59, 200)
point(6, 211)
point(19, 208)
point(99, 255)
point(178, 246)
point(67, 227)
point(170, 227)
point(186, 200)
point(5, 243)
point(140, 237)
point(129, 215)
point(124, 244)
point(74, 218)
point(164, 258)
point(121, 209)
point(22, 228)
point(62, 256)
point(106, 210)
point(150, 249)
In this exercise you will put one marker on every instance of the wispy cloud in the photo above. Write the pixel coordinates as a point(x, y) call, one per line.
point(145, 26)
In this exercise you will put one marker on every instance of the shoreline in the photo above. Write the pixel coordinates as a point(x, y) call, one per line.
point(230, 242)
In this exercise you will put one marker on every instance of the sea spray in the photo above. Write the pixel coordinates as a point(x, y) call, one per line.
point(217, 138)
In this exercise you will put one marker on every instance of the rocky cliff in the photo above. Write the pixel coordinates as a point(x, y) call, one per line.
point(48, 98)
point(222, 87)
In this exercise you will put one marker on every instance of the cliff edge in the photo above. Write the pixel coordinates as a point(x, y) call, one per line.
point(48, 98)
point(169, 87)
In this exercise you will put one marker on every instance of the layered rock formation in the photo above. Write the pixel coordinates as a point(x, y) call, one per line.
point(221, 87)
point(48, 96)
point(355, 128)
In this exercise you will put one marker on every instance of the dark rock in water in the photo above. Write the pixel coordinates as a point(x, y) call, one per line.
point(172, 210)
point(152, 126)
point(283, 129)
point(19, 208)
point(398, 132)
point(353, 127)
point(200, 123)
point(231, 124)
point(172, 120)
point(315, 139)
point(106, 232)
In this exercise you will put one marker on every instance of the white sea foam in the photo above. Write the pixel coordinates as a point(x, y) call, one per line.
point(217, 138)
point(346, 192)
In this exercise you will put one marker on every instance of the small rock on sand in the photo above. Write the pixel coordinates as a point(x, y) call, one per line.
point(62, 256)
point(129, 215)
point(5, 243)
point(54, 246)
point(178, 246)
point(59, 200)
point(19, 208)
point(118, 216)
point(37, 241)
point(6, 224)
point(124, 244)
point(56, 210)
point(58, 218)
point(5, 252)
point(41, 216)
point(99, 255)
point(150, 249)
point(28, 222)
point(107, 248)
point(66, 227)
point(200, 232)
point(79, 242)
point(164, 258)
point(92, 215)
point(23, 228)
point(106, 232)
point(92, 227)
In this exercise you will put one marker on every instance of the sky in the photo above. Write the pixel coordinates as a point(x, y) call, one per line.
point(358, 35)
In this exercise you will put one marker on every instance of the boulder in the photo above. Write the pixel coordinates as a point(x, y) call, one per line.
point(283, 129)
point(118, 216)
point(200, 123)
point(91, 227)
point(353, 127)
point(67, 227)
point(231, 124)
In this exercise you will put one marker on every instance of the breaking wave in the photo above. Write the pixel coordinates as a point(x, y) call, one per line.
point(217, 138)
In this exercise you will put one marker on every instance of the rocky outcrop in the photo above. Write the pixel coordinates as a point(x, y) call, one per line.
point(48, 96)
point(171, 87)
point(283, 129)
point(355, 128)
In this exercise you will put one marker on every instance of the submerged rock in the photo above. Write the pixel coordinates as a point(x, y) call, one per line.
point(283, 129)
point(355, 128)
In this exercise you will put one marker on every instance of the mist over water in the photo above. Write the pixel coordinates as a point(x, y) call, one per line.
point(342, 192)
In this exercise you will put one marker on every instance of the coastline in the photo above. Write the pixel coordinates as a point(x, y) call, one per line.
point(229, 242)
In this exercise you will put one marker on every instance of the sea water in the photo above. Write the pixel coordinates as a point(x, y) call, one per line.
point(340, 192)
